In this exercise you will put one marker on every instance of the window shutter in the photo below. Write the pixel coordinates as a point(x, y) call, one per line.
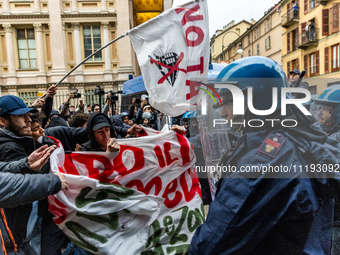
point(303, 27)
point(325, 22)
point(288, 42)
point(297, 64)
point(288, 67)
point(305, 6)
point(317, 55)
point(269, 43)
point(326, 60)
point(305, 64)
point(335, 21)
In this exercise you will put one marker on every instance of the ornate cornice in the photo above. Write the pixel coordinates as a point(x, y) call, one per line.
point(23, 16)
point(88, 15)
point(68, 84)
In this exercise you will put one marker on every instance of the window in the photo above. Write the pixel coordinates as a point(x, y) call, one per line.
point(335, 17)
point(213, 48)
point(335, 58)
point(268, 43)
point(311, 4)
point(257, 33)
point(249, 53)
point(258, 49)
point(248, 39)
point(295, 64)
point(92, 41)
point(314, 63)
point(26, 47)
point(268, 24)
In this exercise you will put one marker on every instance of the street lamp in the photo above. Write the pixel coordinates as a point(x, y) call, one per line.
point(239, 45)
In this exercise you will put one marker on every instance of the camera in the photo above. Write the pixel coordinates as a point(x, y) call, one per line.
point(113, 95)
point(100, 91)
point(76, 94)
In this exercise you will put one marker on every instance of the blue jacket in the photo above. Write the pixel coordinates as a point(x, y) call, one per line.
point(259, 215)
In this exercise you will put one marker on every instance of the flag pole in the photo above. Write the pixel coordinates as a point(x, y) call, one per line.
point(87, 58)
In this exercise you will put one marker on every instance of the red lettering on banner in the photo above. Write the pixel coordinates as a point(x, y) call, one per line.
point(167, 148)
point(185, 149)
point(199, 39)
point(160, 156)
point(199, 67)
point(170, 188)
point(188, 15)
point(195, 187)
point(155, 182)
point(193, 92)
point(117, 166)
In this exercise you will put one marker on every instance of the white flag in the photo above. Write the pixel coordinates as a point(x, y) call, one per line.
point(172, 50)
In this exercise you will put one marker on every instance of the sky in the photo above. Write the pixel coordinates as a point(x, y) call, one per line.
point(221, 12)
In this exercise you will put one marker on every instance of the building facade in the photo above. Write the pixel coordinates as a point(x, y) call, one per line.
point(311, 41)
point(222, 38)
point(263, 38)
point(42, 40)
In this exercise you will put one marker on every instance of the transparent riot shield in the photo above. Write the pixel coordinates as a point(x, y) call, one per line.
point(214, 137)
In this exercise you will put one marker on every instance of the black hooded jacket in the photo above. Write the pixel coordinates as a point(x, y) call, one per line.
point(13, 148)
point(92, 145)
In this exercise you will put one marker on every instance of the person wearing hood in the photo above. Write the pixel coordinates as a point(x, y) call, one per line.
point(101, 134)
point(260, 206)
point(55, 120)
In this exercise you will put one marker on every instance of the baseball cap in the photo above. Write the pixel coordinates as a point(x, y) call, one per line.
point(295, 71)
point(144, 96)
point(100, 121)
point(14, 105)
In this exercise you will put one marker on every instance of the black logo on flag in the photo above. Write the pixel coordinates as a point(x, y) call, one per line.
point(168, 66)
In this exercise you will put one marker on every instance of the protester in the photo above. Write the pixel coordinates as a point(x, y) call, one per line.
point(14, 192)
point(55, 120)
point(79, 120)
point(52, 238)
point(269, 213)
point(95, 108)
point(100, 133)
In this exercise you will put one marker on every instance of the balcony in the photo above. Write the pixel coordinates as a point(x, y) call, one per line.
point(309, 38)
point(322, 2)
point(290, 18)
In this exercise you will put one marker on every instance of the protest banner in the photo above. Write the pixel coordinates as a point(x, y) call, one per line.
point(144, 199)
point(173, 54)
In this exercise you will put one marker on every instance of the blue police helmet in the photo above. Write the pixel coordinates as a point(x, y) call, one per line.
point(330, 95)
point(260, 73)
point(189, 115)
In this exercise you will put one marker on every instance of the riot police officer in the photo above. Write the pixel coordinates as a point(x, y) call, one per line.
point(258, 212)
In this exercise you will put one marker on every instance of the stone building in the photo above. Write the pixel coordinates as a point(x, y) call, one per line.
point(42, 40)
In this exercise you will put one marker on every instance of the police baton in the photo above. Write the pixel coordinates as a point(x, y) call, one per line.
point(87, 58)
point(300, 78)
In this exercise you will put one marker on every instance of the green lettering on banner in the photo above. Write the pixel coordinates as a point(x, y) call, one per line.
point(199, 218)
point(167, 221)
point(176, 237)
point(81, 200)
point(111, 222)
point(79, 230)
point(155, 239)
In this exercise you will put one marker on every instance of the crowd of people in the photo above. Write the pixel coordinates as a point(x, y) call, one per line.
point(250, 214)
